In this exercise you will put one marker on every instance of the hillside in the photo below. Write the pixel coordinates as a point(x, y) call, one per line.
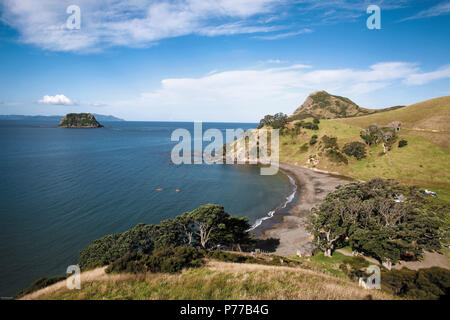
point(323, 105)
point(217, 280)
point(423, 162)
point(431, 115)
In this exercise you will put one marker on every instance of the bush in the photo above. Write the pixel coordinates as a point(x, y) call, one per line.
point(337, 157)
point(355, 149)
point(432, 283)
point(129, 263)
point(329, 142)
point(164, 259)
point(307, 125)
point(109, 248)
point(354, 267)
point(402, 143)
point(313, 140)
point(174, 259)
point(316, 121)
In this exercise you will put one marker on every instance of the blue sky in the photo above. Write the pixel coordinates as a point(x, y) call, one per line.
point(221, 60)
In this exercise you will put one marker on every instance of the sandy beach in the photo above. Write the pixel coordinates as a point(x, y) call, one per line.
point(289, 229)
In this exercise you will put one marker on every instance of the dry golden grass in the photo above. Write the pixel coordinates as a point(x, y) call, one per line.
point(217, 280)
point(429, 115)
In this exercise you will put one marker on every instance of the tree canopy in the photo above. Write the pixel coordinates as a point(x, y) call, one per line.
point(369, 218)
point(205, 227)
point(277, 121)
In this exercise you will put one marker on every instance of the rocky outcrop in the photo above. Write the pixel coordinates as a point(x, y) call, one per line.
point(79, 120)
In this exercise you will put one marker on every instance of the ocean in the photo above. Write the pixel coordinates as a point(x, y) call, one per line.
point(63, 188)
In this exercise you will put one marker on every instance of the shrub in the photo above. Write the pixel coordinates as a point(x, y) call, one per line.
point(402, 143)
point(335, 156)
point(304, 148)
point(432, 283)
point(164, 259)
point(354, 267)
point(316, 121)
point(174, 259)
point(307, 125)
point(329, 142)
point(355, 149)
point(109, 248)
point(313, 140)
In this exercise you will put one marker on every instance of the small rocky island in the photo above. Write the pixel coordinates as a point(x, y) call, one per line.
point(79, 120)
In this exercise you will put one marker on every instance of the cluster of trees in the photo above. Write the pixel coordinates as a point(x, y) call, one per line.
point(309, 125)
point(277, 121)
point(430, 284)
point(367, 217)
point(374, 135)
point(205, 227)
point(355, 149)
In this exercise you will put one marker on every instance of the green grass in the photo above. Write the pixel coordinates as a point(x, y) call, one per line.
point(423, 162)
point(328, 264)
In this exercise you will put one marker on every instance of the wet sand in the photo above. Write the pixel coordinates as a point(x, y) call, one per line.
point(289, 227)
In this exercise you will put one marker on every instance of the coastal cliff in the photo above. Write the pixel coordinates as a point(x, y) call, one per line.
point(79, 120)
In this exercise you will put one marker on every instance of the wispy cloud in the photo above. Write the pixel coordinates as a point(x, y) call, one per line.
point(142, 23)
point(58, 99)
point(284, 35)
point(97, 104)
point(131, 23)
point(423, 78)
point(437, 10)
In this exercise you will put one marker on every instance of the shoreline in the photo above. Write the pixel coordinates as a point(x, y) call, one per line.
point(284, 233)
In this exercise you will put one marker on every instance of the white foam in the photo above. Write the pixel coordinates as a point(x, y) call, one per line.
point(282, 206)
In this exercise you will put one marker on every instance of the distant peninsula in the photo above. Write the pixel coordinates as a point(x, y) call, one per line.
point(79, 120)
point(56, 118)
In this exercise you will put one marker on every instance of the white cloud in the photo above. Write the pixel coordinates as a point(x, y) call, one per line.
point(284, 35)
point(437, 10)
point(249, 94)
point(423, 78)
point(132, 22)
point(97, 104)
point(58, 99)
point(140, 23)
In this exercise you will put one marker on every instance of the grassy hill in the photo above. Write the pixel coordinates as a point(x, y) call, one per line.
point(423, 162)
point(323, 105)
point(431, 115)
point(216, 280)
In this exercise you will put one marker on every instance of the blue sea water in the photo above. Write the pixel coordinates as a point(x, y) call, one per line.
point(63, 188)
